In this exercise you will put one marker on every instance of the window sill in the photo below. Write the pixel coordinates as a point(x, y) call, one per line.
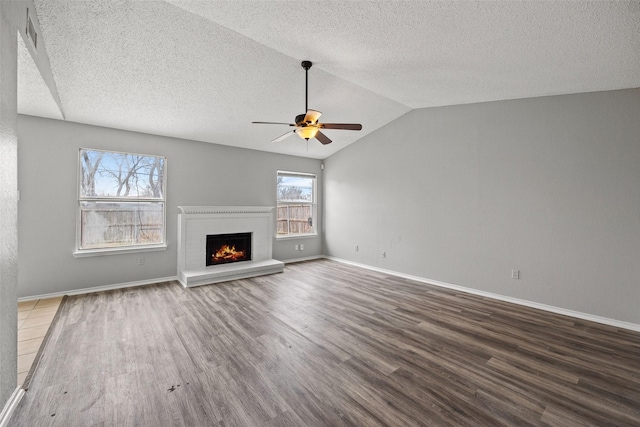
point(118, 251)
point(297, 236)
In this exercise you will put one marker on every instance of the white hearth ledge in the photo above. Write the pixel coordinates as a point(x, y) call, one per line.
point(196, 222)
point(226, 272)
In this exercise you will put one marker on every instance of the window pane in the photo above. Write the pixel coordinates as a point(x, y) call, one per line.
point(117, 224)
point(295, 188)
point(120, 175)
point(295, 219)
point(296, 204)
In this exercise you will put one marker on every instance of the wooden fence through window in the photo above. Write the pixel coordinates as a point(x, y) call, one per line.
point(294, 219)
point(113, 227)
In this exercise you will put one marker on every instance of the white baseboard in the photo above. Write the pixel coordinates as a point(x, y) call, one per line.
point(131, 284)
point(99, 288)
point(309, 258)
point(10, 406)
point(532, 304)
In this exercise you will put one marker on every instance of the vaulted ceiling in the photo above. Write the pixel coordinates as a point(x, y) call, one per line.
point(204, 70)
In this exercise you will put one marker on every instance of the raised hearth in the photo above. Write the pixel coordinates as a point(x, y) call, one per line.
point(196, 223)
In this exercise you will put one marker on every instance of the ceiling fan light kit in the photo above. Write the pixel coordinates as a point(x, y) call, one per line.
point(307, 132)
point(306, 125)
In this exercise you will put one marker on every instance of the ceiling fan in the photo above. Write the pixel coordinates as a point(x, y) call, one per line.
point(306, 125)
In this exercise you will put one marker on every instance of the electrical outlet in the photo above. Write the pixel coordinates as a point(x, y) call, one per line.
point(515, 274)
point(141, 261)
point(384, 254)
point(302, 247)
point(297, 247)
point(357, 248)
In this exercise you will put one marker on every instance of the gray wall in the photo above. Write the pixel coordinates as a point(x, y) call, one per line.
point(197, 174)
point(8, 202)
point(464, 194)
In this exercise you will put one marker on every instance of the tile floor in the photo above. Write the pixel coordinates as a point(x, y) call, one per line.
point(34, 318)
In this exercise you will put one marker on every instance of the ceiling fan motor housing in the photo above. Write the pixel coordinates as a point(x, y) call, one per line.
point(300, 119)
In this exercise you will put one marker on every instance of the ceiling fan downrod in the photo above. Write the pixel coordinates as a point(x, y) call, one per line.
point(306, 65)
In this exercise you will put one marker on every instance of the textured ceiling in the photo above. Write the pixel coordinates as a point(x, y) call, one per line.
point(34, 95)
point(203, 70)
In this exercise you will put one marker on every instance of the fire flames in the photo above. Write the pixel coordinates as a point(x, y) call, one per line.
point(228, 253)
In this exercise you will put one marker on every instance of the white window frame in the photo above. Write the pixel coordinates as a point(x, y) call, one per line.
point(314, 205)
point(80, 253)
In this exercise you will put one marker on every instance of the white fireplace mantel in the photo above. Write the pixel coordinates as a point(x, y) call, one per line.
point(196, 222)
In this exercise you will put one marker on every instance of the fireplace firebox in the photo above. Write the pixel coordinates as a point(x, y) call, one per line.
point(227, 248)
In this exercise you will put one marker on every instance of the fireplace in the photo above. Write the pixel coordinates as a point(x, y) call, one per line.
point(228, 248)
point(196, 223)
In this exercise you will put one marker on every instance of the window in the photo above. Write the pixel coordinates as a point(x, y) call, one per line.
point(121, 203)
point(296, 194)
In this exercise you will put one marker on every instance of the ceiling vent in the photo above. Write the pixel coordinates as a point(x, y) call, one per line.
point(31, 31)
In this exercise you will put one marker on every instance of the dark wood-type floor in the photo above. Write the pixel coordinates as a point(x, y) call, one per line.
point(326, 344)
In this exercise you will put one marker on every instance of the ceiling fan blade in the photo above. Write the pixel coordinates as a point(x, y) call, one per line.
point(323, 138)
point(312, 116)
point(345, 126)
point(286, 135)
point(272, 123)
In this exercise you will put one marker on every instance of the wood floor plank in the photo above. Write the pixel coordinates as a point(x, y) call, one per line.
point(326, 344)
